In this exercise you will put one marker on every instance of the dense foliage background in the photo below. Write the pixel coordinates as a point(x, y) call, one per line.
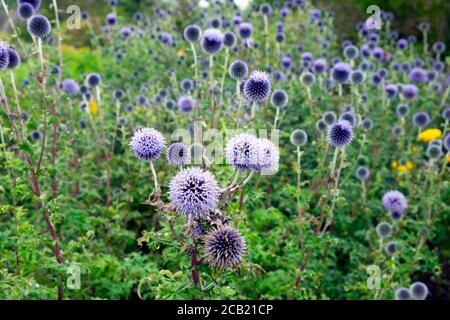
point(93, 190)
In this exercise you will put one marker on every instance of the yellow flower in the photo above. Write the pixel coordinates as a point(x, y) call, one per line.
point(430, 135)
point(448, 159)
point(414, 149)
point(409, 165)
point(180, 52)
point(394, 164)
point(93, 107)
point(402, 169)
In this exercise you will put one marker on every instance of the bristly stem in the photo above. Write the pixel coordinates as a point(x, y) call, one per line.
point(155, 181)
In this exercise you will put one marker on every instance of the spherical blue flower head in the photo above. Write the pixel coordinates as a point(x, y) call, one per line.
point(178, 154)
point(36, 135)
point(284, 12)
point(70, 86)
point(367, 124)
point(141, 100)
point(171, 104)
point(391, 91)
point(350, 117)
point(257, 87)
point(421, 119)
point(351, 52)
point(147, 144)
point(307, 78)
point(341, 72)
point(34, 3)
point(25, 11)
point(357, 77)
point(194, 192)
point(119, 94)
point(125, 32)
point(265, 9)
point(269, 157)
point(84, 15)
point(93, 80)
point(362, 173)
point(402, 294)
point(82, 124)
point(329, 117)
point(245, 30)
point(384, 230)
point(212, 41)
point(280, 37)
point(409, 91)
point(340, 134)
point(113, 3)
point(111, 19)
point(186, 103)
point(224, 248)
point(447, 142)
point(299, 137)
point(187, 85)
point(434, 151)
point(39, 26)
point(321, 125)
point(279, 98)
point(229, 39)
point(319, 65)
point(418, 291)
point(390, 248)
point(242, 151)
point(14, 58)
point(439, 47)
point(394, 201)
point(286, 62)
point(402, 44)
point(418, 75)
point(4, 56)
point(238, 70)
point(166, 38)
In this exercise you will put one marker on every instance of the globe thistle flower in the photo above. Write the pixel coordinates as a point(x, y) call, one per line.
point(351, 52)
point(113, 3)
point(238, 70)
point(147, 144)
point(70, 86)
point(111, 19)
point(418, 76)
point(341, 72)
point(224, 248)
point(434, 151)
point(84, 15)
point(280, 37)
point(299, 137)
point(118, 94)
point(186, 103)
point(257, 87)
point(362, 173)
point(192, 33)
point(36, 135)
point(329, 117)
point(447, 142)
point(307, 79)
point(39, 26)
point(402, 110)
point(141, 100)
point(350, 117)
point(125, 32)
point(279, 98)
point(439, 47)
point(357, 77)
point(286, 62)
point(25, 11)
point(229, 39)
point(391, 91)
point(340, 133)
point(269, 156)
point(402, 44)
point(34, 3)
point(187, 85)
point(396, 130)
point(178, 154)
point(4, 57)
point(212, 41)
point(319, 66)
point(384, 230)
point(321, 125)
point(242, 152)
point(265, 9)
point(245, 30)
point(93, 80)
point(194, 192)
point(82, 124)
point(367, 124)
point(394, 201)
point(402, 294)
point(390, 248)
point(409, 91)
point(14, 58)
point(418, 291)
point(421, 119)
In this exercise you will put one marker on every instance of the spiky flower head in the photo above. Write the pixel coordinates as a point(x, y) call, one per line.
point(269, 156)
point(111, 19)
point(192, 33)
point(351, 52)
point(299, 137)
point(147, 144)
point(178, 154)
point(329, 117)
point(421, 119)
point(93, 80)
point(362, 173)
point(34, 3)
point(242, 152)
point(194, 192)
point(4, 56)
point(14, 58)
point(224, 247)
point(350, 117)
point(307, 78)
point(390, 248)
point(402, 110)
point(402, 294)
point(340, 133)
point(341, 72)
point(279, 98)
point(70, 86)
point(257, 87)
point(212, 41)
point(409, 91)
point(229, 39)
point(25, 11)
point(418, 76)
point(384, 230)
point(418, 291)
point(186, 103)
point(39, 26)
point(394, 201)
point(245, 30)
point(238, 70)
